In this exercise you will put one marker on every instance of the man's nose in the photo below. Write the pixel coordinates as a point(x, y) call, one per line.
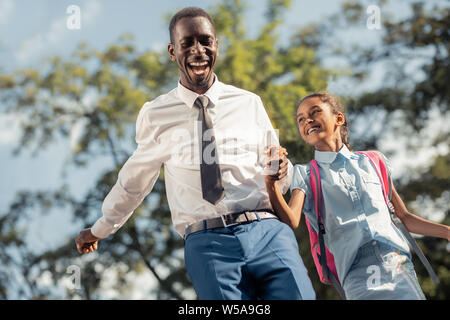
point(197, 48)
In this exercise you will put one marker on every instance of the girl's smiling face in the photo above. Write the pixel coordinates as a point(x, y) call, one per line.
point(318, 125)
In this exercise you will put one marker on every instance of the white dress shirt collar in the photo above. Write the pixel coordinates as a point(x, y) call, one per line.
point(189, 96)
point(330, 156)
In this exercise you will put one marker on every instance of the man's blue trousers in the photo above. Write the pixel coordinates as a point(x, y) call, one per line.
point(257, 260)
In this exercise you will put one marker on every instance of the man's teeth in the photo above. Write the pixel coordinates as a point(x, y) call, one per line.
point(199, 68)
point(310, 130)
point(198, 64)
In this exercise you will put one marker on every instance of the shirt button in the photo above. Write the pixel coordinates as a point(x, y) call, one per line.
point(374, 242)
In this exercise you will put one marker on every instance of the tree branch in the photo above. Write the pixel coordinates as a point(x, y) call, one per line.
point(163, 282)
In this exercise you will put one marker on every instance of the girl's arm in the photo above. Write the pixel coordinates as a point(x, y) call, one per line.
point(417, 224)
point(288, 213)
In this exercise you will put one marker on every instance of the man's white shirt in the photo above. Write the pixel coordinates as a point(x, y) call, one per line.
point(168, 133)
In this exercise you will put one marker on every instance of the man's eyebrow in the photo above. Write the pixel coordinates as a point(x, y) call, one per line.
point(203, 35)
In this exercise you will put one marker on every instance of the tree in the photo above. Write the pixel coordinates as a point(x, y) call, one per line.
point(121, 80)
point(415, 86)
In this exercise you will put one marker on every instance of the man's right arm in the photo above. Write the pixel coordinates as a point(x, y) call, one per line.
point(135, 179)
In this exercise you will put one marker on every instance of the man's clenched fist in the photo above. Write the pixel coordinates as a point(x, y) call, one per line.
point(86, 242)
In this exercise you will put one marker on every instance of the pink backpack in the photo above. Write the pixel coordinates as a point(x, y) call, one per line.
point(323, 258)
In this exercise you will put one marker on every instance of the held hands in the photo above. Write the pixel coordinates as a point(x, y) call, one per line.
point(277, 164)
point(86, 242)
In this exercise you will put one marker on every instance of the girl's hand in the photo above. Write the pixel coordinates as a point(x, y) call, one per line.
point(277, 164)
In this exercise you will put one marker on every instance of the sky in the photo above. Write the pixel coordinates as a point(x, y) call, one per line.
point(40, 26)
point(31, 31)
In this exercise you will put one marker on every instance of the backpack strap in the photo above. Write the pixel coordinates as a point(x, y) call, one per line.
point(382, 172)
point(386, 181)
point(317, 194)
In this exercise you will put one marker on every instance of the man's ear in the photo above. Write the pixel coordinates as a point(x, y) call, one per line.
point(217, 46)
point(171, 50)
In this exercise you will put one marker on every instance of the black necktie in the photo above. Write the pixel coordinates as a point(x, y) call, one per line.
point(212, 187)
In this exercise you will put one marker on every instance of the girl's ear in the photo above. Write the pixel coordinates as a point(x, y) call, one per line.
point(340, 119)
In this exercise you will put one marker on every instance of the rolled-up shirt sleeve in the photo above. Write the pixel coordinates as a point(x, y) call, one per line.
point(285, 182)
point(270, 137)
point(135, 179)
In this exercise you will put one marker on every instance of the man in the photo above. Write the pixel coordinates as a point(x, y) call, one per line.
point(210, 138)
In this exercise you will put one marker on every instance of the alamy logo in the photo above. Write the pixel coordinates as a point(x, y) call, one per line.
point(74, 20)
point(374, 279)
point(374, 20)
point(75, 277)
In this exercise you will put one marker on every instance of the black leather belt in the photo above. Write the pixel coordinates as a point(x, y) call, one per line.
point(228, 220)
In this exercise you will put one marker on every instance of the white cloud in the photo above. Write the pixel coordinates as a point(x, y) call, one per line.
point(9, 129)
point(90, 12)
point(39, 42)
point(6, 8)
point(56, 34)
point(413, 150)
point(139, 285)
point(89, 103)
point(76, 133)
point(431, 209)
point(159, 46)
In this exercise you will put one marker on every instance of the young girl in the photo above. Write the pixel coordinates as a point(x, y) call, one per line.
point(372, 257)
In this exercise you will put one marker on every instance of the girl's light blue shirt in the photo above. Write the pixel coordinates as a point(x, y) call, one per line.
point(355, 209)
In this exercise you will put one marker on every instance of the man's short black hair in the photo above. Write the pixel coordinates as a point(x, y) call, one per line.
point(189, 12)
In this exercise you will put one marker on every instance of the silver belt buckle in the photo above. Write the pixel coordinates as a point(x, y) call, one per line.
point(225, 224)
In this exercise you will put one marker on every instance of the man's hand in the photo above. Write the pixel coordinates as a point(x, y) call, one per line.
point(86, 242)
point(277, 163)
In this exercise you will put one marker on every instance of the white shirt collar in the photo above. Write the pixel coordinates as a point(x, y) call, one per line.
point(189, 97)
point(330, 156)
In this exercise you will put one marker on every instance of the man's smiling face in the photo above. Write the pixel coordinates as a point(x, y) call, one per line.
point(195, 49)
